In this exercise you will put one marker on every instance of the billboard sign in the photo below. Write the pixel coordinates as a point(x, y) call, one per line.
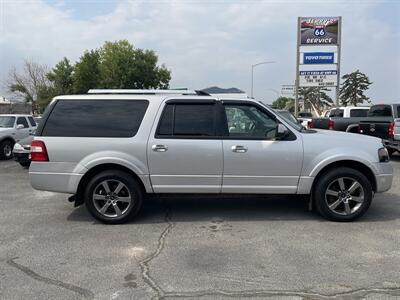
point(318, 58)
point(287, 89)
point(318, 78)
point(319, 31)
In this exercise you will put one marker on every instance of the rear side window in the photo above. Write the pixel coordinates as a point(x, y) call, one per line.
point(187, 120)
point(398, 111)
point(23, 121)
point(358, 112)
point(32, 121)
point(336, 113)
point(95, 118)
point(380, 111)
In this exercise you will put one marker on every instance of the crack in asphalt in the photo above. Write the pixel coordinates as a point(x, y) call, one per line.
point(354, 294)
point(84, 292)
point(144, 264)
point(161, 294)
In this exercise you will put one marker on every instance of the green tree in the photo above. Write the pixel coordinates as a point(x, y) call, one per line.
point(353, 88)
point(61, 77)
point(86, 74)
point(283, 103)
point(123, 66)
point(317, 98)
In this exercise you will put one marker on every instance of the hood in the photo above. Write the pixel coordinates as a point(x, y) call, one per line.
point(334, 143)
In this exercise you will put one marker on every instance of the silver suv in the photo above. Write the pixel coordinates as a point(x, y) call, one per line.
point(110, 148)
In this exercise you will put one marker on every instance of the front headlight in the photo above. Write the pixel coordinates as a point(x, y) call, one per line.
point(383, 154)
point(18, 147)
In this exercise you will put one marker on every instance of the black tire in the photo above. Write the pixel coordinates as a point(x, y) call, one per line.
point(25, 164)
point(391, 151)
point(5, 147)
point(331, 178)
point(115, 177)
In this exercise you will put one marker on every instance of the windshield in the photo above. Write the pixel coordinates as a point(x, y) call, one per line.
point(380, 111)
point(7, 122)
point(290, 119)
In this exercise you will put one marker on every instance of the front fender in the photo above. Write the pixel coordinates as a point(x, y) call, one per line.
point(334, 155)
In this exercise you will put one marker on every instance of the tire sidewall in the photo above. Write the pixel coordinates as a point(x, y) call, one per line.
point(326, 179)
point(2, 146)
point(133, 187)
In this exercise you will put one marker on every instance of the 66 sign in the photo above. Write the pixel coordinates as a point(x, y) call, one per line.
point(319, 31)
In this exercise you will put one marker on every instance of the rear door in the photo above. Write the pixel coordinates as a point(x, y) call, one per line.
point(185, 150)
point(254, 160)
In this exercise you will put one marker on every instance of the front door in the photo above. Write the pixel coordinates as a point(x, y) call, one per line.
point(22, 132)
point(184, 151)
point(254, 160)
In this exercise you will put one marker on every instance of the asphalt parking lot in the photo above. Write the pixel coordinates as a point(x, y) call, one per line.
point(198, 248)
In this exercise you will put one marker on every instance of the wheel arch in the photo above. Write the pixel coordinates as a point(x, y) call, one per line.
point(9, 138)
point(364, 169)
point(79, 196)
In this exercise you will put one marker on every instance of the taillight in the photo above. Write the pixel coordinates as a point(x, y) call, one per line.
point(38, 151)
point(309, 124)
point(391, 130)
point(330, 124)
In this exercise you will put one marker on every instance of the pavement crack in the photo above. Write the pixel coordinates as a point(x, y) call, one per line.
point(84, 292)
point(144, 264)
point(354, 294)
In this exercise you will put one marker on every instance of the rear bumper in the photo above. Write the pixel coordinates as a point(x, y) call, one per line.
point(384, 176)
point(55, 182)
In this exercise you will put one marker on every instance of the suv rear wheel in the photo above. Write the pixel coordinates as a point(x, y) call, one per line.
point(6, 148)
point(113, 197)
point(343, 194)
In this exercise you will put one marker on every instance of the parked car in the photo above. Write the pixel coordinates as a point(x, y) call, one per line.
point(383, 121)
point(304, 117)
point(14, 128)
point(21, 151)
point(341, 119)
point(111, 148)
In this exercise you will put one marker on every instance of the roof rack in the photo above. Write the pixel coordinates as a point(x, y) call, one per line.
point(144, 92)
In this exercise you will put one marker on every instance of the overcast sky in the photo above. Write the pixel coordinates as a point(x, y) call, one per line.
point(206, 43)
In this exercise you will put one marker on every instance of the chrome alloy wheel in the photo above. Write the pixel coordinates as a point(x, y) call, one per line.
point(112, 198)
point(344, 196)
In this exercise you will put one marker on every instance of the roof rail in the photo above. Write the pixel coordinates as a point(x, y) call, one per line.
point(142, 92)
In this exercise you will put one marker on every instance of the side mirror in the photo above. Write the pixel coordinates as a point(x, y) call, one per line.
point(281, 132)
point(20, 126)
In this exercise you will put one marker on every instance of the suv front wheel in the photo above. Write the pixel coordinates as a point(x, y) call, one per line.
point(342, 194)
point(6, 148)
point(113, 197)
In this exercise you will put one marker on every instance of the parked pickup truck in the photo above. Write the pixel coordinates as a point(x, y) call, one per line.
point(341, 119)
point(383, 121)
point(14, 128)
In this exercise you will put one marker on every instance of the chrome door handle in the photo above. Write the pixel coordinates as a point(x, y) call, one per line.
point(159, 148)
point(239, 149)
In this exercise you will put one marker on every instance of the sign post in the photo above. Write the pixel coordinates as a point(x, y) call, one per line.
point(318, 54)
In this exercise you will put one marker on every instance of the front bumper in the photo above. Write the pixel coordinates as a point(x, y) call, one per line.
point(21, 157)
point(392, 144)
point(384, 176)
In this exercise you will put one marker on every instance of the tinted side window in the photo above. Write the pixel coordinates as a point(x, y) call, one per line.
point(380, 111)
point(32, 121)
point(358, 112)
point(249, 121)
point(23, 121)
point(336, 113)
point(190, 120)
point(398, 111)
point(95, 118)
